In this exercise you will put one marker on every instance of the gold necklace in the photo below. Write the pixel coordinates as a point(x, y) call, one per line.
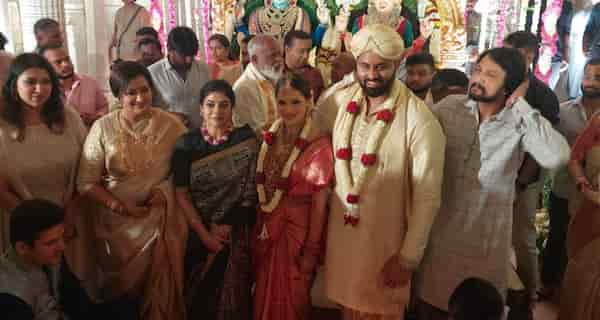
point(277, 22)
point(133, 145)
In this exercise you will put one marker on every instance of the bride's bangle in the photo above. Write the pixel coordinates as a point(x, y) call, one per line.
point(114, 205)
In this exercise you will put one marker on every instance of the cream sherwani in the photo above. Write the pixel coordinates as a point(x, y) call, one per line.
point(398, 201)
point(326, 112)
point(255, 99)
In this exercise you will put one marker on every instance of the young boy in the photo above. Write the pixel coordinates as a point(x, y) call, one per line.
point(32, 283)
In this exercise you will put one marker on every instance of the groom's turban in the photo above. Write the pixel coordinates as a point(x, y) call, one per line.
point(380, 39)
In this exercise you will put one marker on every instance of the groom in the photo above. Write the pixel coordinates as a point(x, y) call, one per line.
point(389, 162)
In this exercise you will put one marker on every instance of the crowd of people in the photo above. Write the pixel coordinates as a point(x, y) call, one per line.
point(247, 189)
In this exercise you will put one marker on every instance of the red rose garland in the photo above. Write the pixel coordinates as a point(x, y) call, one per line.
point(367, 159)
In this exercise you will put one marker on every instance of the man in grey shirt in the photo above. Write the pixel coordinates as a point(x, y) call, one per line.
point(179, 77)
point(488, 133)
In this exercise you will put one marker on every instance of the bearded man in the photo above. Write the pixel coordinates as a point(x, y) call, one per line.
point(79, 91)
point(255, 89)
point(489, 131)
point(389, 152)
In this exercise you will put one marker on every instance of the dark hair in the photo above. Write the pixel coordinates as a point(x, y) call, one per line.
point(292, 35)
point(147, 31)
point(183, 40)
point(123, 72)
point(523, 40)
point(147, 41)
point(220, 86)
point(221, 38)
point(3, 41)
point(295, 81)
point(32, 217)
point(421, 58)
point(52, 112)
point(513, 64)
point(49, 46)
point(44, 24)
point(449, 78)
point(476, 299)
point(247, 39)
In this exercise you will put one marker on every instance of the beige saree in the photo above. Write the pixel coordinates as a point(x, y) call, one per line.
point(42, 165)
point(139, 257)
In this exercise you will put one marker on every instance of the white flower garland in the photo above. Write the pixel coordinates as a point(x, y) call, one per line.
point(344, 176)
point(264, 149)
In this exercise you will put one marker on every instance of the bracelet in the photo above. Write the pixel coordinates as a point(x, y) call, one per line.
point(114, 205)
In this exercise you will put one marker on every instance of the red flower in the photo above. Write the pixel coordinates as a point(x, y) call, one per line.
point(352, 107)
point(385, 115)
point(269, 137)
point(368, 159)
point(301, 143)
point(260, 178)
point(282, 184)
point(352, 198)
point(343, 153)
point(348, 219)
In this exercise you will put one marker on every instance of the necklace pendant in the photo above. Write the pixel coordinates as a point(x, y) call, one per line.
point(264, 233)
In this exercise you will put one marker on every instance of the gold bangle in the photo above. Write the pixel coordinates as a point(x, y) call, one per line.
point(113, 205)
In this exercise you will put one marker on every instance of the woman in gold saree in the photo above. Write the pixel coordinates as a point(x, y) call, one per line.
point(581, 285)
point(138, 233)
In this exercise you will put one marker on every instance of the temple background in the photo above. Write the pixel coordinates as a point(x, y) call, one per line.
point(88, 23)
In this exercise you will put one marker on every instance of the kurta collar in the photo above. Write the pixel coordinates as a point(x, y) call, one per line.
point(502, 115)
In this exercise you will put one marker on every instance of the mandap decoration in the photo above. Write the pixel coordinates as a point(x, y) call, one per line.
point(549, 37)
point(277, 17)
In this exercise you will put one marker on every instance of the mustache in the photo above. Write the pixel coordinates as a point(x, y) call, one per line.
point(475, 84)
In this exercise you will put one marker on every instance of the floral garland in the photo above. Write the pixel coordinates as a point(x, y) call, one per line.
point(214, 141)
point(549, 37)
point(172, 14)
point(501, 22)
point(283, 184)
point(368, 158)
point(156, 13)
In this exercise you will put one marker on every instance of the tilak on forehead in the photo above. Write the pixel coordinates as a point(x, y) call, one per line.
point(380, 39)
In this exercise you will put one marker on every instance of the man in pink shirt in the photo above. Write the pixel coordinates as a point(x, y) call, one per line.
point(79, 91)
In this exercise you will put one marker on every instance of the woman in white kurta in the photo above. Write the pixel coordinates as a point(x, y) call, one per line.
point(40, 139)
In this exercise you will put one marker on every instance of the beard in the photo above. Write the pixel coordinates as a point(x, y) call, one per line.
point(483, 97)
point(420, 90)
point(67, 76)
point(272, 73)
point(383, 87)
point(590, 92)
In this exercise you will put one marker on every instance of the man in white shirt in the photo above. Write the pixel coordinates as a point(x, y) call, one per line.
point(179, 77)
point(255, 89)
